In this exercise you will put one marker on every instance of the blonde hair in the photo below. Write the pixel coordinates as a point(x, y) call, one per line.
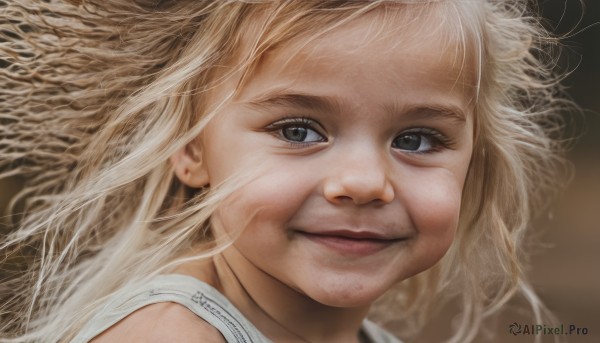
point(97, 95)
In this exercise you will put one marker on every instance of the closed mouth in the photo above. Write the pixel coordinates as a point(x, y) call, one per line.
point(351, 242)
point(353, 235)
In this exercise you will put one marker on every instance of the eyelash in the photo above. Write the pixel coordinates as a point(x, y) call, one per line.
point(287, 122)
point(439, 141)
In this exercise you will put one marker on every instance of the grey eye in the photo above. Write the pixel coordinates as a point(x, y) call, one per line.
point(416, 142)
point(300, 134)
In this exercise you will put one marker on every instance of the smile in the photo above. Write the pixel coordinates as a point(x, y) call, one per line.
point(350, 242)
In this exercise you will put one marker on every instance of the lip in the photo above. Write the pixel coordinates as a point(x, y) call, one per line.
point(349, 242)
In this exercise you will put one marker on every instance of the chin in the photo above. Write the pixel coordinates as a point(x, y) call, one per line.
point(347, 295)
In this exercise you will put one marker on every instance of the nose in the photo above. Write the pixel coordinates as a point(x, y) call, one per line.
point(360, 178)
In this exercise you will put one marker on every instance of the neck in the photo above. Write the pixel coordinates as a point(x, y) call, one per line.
point(277, 310)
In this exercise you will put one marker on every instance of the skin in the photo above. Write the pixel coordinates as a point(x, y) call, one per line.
point(387, 156)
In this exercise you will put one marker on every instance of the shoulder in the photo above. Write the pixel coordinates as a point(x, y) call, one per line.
point(377, 334)
point(161, 322)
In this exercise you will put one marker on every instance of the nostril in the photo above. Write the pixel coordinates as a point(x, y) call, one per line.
point(344, 199)
point(357, 195)
point(358, 186)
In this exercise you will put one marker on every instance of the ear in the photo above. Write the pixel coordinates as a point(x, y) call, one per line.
point(189, 167)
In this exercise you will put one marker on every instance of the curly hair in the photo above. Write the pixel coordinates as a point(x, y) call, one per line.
point(97, 95)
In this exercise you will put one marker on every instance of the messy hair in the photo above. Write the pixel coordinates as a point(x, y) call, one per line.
point(97, 95)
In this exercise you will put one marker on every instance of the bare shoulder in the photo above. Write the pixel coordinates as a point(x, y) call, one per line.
point(161, 322)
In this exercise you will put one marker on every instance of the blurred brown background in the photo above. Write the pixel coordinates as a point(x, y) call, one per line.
point(565, 273)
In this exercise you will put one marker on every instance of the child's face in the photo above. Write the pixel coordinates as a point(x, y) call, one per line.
point(362, 142)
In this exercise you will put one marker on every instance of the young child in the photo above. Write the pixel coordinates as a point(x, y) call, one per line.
point(211, 171)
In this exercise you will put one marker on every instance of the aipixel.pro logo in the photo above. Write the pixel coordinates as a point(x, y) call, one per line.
point(540, 329)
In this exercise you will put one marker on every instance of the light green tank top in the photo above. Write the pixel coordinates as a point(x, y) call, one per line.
point(200, 298)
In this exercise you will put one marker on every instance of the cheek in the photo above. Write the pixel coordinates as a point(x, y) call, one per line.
point(266, 203)
point(433, 204)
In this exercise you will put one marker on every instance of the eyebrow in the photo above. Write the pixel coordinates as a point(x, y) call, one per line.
point(327, 104)
point(430, 111)
point(295, 100)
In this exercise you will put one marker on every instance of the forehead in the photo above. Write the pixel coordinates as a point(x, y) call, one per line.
point(415, 43)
